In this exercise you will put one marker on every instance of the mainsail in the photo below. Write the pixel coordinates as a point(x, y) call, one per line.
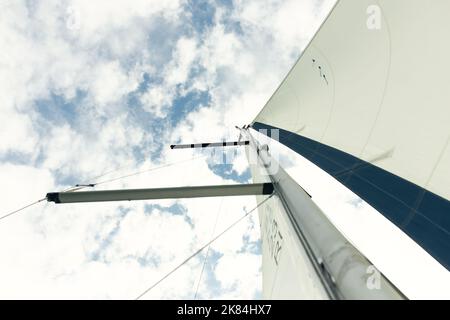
point(369, 102)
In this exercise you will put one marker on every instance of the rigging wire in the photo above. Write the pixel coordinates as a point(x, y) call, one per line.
point(202, 248)
point(139, 172)
point(82, 186)
point(207, 250)
point(23, 208)
point(79, 186)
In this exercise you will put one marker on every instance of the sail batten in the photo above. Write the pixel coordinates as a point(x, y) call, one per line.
point(368, 103)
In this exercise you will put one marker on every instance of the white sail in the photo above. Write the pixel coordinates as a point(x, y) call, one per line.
point(368, 102)
point(304, 255)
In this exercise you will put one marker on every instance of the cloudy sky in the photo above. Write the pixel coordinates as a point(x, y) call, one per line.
point(102, 88)
point(89, 87)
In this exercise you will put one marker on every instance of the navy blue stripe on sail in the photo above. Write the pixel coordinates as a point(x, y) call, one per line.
point(421, 214)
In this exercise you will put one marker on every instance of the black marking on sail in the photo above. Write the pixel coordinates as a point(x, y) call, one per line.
point(421, 214)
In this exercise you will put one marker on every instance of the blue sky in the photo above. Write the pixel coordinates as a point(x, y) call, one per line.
point(90, 87)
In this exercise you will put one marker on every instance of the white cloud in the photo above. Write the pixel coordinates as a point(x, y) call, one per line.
point(178, 70)
point(22, 184)
point(237, 287)
point(17, 133)
point(111, 83)
point(239, 60)
point(156, 100)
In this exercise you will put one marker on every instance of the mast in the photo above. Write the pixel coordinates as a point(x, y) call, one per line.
point(304, 255)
